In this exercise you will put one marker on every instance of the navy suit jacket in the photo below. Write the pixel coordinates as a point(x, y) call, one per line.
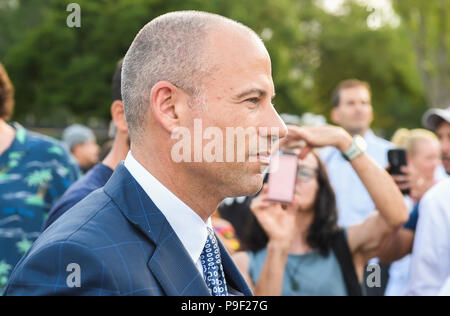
point(122, 244)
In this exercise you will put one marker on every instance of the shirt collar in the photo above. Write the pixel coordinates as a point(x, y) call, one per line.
point(189, 227)
point(20, 139)
point(369, 135)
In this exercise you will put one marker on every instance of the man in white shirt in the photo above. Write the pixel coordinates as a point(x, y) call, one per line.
point(431, 251)
point(352, 110)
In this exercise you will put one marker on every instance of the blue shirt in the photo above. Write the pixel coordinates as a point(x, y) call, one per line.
point(353, 201)
point(34, 172)
point(91, 181)
point(413, 218)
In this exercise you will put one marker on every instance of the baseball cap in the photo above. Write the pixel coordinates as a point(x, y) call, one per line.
point(434, 117)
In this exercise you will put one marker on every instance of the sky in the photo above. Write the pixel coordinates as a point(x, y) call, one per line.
point(383, 13)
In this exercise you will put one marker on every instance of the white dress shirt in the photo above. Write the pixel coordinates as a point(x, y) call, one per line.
point(430, 267)
point(400, 270)
point(353, 201)
point(440, 174)
point(189, 227)
point(445, 291)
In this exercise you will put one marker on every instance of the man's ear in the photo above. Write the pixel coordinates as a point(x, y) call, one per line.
point(118, 116)
point(164, 102)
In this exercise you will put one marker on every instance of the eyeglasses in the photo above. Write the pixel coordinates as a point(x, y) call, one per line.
point(306, 174)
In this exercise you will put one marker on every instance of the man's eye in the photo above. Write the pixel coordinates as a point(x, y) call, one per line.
point(253, 100)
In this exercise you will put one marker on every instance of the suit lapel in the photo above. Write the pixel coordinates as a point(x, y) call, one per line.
point(170, 263)
point(176, 275)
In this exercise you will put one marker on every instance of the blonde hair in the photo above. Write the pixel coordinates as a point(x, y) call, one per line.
point(408, 139)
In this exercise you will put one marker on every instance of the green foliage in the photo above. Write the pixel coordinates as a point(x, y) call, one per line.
point(63, 74)
point(382, 57)
point(428, 25)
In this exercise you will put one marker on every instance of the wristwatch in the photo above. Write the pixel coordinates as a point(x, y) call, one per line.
point(357, 148)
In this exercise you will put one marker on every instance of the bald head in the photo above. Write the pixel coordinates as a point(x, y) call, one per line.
point(173, 48)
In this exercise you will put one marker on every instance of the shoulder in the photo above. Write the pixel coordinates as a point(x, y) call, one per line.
point(47, 148)
point(76, 192)
point(378, 141)
point(438, 192)
point(62, 268)
point(441, 188)
point(89, 225)
point(91, 222)
point(36, 140)
point(94, 179)
point(433, 224)
point(436, 200)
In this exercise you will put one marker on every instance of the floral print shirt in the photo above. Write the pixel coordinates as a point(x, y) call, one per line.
point(34, 172)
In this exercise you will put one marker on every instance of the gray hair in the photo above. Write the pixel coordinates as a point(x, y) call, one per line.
point(169, 48)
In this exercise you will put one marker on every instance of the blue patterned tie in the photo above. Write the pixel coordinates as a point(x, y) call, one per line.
point(212, 267)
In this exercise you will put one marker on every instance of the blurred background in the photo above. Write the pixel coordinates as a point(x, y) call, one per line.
point(63, 75)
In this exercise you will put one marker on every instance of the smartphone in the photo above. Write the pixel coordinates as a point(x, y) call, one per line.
point(397, 159)
point(282, 177)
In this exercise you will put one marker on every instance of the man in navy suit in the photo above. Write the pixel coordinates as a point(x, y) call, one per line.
point(148, 230)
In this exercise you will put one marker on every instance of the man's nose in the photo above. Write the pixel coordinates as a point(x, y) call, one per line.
point(276, 125)
point(359, 107)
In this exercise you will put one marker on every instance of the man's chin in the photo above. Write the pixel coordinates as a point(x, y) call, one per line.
point(356, 130)
point(252, 185)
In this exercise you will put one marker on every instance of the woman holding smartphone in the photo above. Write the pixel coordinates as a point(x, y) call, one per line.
point(298, 249)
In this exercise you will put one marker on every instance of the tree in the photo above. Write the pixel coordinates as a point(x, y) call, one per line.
point(428, 25)
point(18, 16)
point(63, 74)
point(349, 48)
point(68, 70)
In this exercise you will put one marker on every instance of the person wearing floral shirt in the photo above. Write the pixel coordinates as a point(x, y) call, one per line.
point(35, 170)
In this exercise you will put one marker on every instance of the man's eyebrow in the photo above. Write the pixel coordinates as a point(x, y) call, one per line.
point(259, 92)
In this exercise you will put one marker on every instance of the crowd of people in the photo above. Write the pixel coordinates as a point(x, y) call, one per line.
point(137, 223)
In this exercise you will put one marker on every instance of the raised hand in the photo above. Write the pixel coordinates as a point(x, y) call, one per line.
point(321, 136)
point(277, 220)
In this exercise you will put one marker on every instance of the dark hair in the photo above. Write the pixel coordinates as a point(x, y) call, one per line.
point(116, 82)
point(323, 228)
point(347, 84)
point(6, 95)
